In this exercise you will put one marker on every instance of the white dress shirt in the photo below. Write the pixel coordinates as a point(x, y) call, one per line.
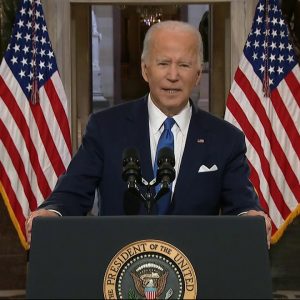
point(179, 130)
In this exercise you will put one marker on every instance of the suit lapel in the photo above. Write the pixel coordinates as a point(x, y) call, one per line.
point(193, 151)
point(138, 121)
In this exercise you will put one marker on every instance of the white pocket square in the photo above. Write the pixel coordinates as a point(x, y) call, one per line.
point(204, 168)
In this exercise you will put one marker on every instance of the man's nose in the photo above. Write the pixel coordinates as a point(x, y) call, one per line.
point(173, 73)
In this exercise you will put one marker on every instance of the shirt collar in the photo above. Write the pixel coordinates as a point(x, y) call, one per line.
point(157, 117)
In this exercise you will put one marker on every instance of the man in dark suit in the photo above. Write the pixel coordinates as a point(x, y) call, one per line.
point(210, 162)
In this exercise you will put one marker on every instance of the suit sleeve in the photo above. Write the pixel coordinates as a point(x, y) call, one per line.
point(238, 194)
point(75, 190)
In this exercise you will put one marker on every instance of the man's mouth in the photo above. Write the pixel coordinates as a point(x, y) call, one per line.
point(171, 91)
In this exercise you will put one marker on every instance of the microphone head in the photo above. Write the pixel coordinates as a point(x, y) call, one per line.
point(165, 163)
point(166, 154)
point(131, 165)
point(130, 154)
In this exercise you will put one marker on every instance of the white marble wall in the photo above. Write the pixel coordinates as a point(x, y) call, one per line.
point(104, 19)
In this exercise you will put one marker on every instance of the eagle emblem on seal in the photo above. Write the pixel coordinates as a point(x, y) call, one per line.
point(150, 280)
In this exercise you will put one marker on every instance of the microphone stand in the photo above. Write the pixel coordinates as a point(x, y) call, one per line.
point(149, 198)
point(165, 175)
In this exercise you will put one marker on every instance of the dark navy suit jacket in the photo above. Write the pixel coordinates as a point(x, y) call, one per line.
point(98, 164)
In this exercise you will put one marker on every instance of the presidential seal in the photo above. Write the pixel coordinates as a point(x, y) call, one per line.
point(150, 269)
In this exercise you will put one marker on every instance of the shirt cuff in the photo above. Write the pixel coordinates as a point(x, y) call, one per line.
point(243, 213)
point(57, 212)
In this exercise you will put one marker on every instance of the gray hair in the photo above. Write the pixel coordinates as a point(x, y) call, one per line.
point(174, 25)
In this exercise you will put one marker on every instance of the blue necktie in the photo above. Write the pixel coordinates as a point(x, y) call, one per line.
point(166, 140)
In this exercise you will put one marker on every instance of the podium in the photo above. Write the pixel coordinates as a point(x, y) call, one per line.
point(149, 257)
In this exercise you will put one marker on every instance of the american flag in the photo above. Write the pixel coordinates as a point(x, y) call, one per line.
point(264, 103)
point(35, 143)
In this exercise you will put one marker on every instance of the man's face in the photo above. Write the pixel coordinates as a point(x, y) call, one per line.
point(171, 69)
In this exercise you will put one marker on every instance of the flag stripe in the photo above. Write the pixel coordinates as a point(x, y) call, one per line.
point(255, 179)
point(296, 73)
point(286, 121)
point(238, 93)
point(14, 204)
point(246, 126)
point(58, 109)
point(22, 115)
point(55, 130)
point(254, 159)
point(19, 119)
point(10, 190)
point(18, 165)
point(277, 127)
point(261, 185)
point(294, 85)
point(15, 135)
point(279, 154)
point(47, 139)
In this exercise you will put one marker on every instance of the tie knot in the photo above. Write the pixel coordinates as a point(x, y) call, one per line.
point(168, 123)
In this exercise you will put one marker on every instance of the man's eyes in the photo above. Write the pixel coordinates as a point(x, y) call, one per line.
point(162, 63)
point(181, 65)
point(185, 65)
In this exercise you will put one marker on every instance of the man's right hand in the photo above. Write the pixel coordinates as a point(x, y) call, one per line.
point(37, 213)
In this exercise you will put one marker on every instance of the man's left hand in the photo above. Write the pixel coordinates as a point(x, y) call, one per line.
point(267, 220)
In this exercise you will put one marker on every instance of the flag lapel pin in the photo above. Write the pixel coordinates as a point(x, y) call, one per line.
point(200, 141)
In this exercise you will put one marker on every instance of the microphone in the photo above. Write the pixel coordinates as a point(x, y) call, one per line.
point(132, 175)
point(131, 167)
point(165, 171)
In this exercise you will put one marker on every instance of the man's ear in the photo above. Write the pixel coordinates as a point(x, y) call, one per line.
point(199, 74)
point(144, 71)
